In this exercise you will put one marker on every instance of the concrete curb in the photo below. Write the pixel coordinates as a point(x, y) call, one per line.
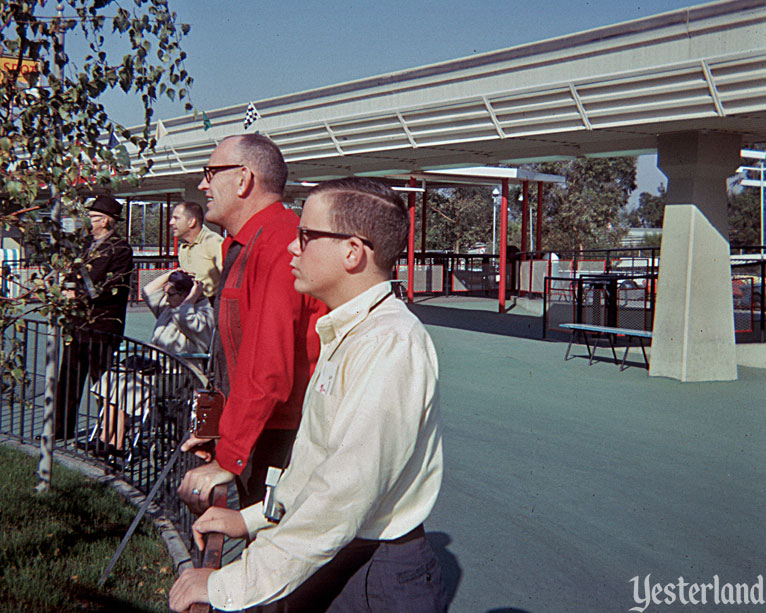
point(173, 541)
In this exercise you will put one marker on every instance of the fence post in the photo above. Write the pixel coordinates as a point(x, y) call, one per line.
point(761, 306)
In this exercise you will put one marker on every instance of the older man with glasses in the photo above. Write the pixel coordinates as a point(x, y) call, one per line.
point(102, 285)
point(266, 346)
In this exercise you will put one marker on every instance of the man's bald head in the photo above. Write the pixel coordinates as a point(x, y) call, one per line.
point(264, 158)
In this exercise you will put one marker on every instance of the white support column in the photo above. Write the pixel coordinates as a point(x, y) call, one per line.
point(694, 317)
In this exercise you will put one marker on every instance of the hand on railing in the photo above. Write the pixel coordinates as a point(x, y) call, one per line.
point(211, 543)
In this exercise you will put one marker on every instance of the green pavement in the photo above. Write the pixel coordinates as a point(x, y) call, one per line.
point(564, 481)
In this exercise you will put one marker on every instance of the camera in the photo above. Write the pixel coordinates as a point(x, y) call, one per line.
point(207, 408)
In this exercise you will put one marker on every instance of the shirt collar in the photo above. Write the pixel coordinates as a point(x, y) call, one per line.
point(256, 221)
point(341, 320)
point(196, 240)
point(96, 243)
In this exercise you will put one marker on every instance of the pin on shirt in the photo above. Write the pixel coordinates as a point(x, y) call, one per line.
point(326, 378)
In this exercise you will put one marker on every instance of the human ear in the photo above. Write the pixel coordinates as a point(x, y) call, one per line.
point(355, 256)
point(246, 182)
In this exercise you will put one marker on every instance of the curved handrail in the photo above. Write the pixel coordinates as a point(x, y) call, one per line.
point(157, 400)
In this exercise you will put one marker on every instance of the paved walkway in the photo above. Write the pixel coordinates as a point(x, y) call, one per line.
point(564, 481)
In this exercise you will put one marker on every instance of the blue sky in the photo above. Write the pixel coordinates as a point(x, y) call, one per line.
point(240, 50)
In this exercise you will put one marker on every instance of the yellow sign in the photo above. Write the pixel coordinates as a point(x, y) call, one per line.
point(9, 63)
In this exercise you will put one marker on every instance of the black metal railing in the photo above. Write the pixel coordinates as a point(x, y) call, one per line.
point(478, 274)
point(608, 299)
point(748, 270)
point(133, 410)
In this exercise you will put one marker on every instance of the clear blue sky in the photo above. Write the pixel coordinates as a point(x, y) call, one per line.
point(240, 50)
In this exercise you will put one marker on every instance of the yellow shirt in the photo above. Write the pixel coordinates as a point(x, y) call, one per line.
point(367, 460)
point(203, 259)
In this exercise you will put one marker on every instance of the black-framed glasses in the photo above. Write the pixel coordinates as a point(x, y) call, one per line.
point(209, 171)
point(306, 234)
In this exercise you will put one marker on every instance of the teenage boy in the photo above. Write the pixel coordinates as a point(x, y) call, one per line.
point(367, 463)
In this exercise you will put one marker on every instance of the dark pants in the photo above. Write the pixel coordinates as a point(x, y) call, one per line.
point(88, 353)
point(401, 576)
point(272, 449)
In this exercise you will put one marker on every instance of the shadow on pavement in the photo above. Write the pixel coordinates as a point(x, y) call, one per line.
point(522, 326)
point(451, 571)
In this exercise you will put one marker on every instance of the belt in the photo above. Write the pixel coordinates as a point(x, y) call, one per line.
point(415, 533)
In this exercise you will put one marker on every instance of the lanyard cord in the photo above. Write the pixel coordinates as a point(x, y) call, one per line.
point(372, 308)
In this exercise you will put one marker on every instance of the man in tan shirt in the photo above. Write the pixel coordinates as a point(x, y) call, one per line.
point(200, 250)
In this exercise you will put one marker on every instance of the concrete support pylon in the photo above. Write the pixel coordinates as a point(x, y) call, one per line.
point(693, 336)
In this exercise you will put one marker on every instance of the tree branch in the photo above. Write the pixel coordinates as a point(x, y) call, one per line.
point(436, 210)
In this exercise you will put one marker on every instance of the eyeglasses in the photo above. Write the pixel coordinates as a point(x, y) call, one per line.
point(305, 235)
point(210, 171)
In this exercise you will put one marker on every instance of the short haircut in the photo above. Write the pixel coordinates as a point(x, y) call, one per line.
point(264, 158)
point(192, 209)
point(369, 209)
point(181, 281)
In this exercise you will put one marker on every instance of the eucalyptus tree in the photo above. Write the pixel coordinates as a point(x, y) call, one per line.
point(588, 211)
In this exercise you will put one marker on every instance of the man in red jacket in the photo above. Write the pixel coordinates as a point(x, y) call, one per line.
point(266, 343)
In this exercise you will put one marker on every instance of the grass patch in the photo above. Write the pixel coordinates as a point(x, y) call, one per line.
point(54, 546)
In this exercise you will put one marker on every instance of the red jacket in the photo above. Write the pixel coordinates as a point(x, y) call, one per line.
point(268, 334)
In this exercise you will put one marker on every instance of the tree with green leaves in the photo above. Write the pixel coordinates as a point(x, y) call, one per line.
point(650, 210)
point(58, 144)
point(745, 217)
point(586, 213)
point(145, 226)
point(459, 218)
point(745, 209)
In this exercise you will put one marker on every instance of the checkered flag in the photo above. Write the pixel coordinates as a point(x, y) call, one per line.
point(251, 115)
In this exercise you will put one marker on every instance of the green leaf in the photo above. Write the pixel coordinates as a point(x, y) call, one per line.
point(122, 155)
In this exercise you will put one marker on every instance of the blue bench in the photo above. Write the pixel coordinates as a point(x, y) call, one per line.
point(611, 333)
